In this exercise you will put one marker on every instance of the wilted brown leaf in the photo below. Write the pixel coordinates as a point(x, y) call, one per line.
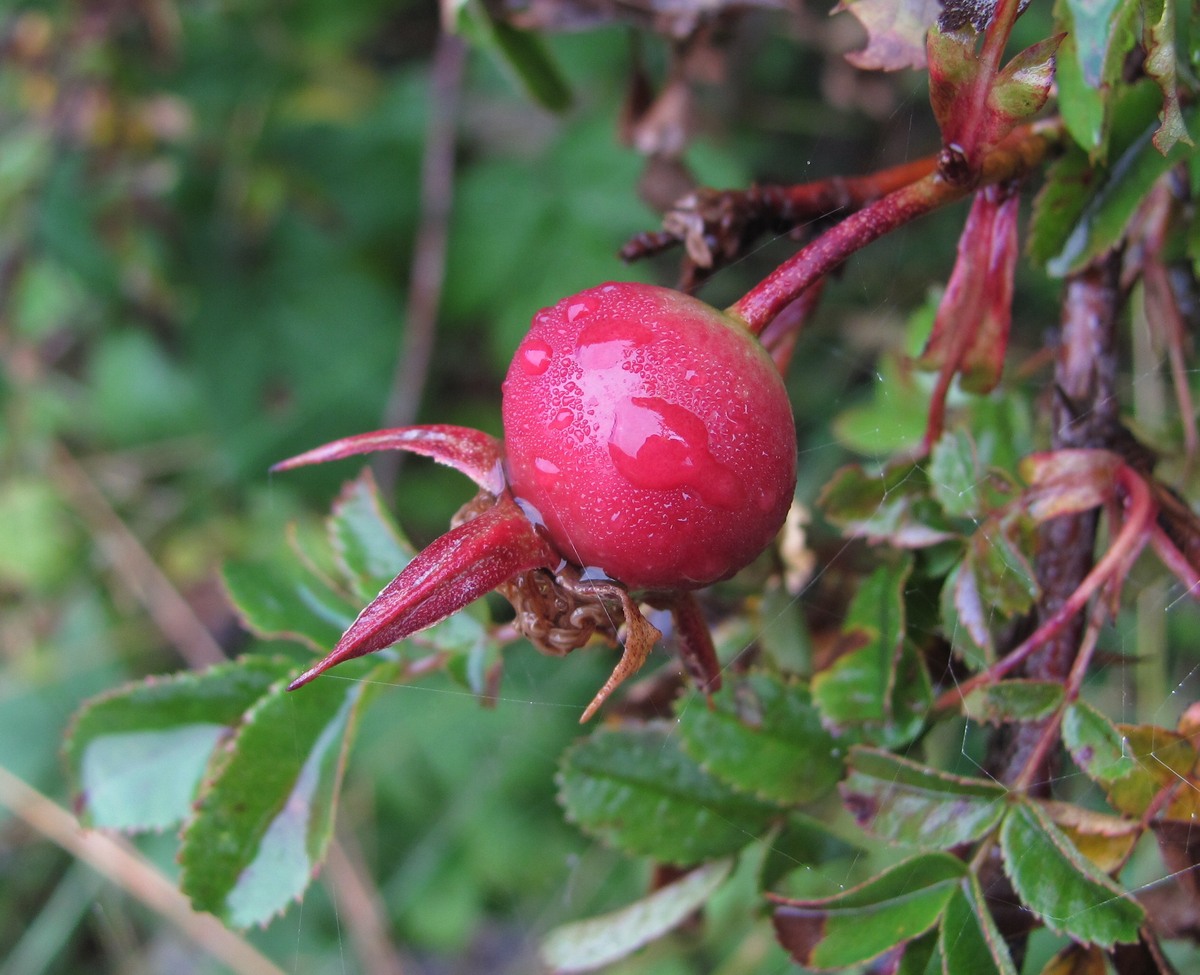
point(896, 32)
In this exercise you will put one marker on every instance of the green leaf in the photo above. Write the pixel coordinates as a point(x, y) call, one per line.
point(968, 938)
point(963, 618)
point(370, 548)
point(860, 924)
point(1132, 763)
point(1084, 107)
point(636, 789)
point(912, 804)
point(877, 686)
point(527, 55)
point(1095, 744)
point(288, 600)
point(997, 579)
point(1013, 700)
point(1022, 86)
point(522, 54)
point(1162, 758)
point(955, 475)
point(1091, 25)
point(135, 755)
point(265, 812)
point(895, 506)
point(763, 736)
point(892, 420)
point(584, 946)
point(1108, 213)
point(1060, 885)
point(37, 548)
point(1060, 202)
point(1100, 33)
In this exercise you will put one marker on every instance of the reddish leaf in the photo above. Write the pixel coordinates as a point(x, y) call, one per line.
point(895, 32)
point(1077, 959)
point(953, 68)
point(1064, 482)
point(970, 333)
point(470, 452)
point(1021, 88)
point(451, 572)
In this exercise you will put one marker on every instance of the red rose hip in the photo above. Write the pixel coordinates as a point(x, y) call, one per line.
point(650, 434)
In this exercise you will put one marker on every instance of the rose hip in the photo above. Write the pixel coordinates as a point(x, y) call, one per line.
point(650, 434)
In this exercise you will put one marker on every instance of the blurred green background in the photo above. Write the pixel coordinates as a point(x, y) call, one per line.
point(209, 214)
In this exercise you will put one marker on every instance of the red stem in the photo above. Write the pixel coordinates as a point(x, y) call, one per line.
point(995, 40)
point(1021, 151)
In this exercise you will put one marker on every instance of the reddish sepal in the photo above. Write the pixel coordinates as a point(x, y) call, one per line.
point(470, 452)
point(970, 333)
point(452, 571)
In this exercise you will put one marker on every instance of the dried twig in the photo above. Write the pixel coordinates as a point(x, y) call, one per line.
point(134, 566)
point(428, 270)
point(124, 867)
point(362, 908)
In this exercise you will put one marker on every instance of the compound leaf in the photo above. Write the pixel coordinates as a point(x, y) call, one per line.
point(1013, 700)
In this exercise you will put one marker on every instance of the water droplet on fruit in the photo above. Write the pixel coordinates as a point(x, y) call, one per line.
point(693, 377)
point(535, 356)
point(531, 512)
point(583, 305)
point(546, 466)
point(562, 419)
point(661, 446)
point(605, 343)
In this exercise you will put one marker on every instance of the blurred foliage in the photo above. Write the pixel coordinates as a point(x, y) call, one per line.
point(209, 213)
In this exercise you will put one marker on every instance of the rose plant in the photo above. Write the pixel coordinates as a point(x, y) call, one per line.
point(649, 453)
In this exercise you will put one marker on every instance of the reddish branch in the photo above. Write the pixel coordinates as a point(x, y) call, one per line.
point(1024, 150)
point(428, 270)
point(717, 227)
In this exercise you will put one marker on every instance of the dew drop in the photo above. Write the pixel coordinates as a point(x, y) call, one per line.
point(583, 305)
point(693, 377)
point(658, 445)
point(604, 343)
point(535, 355)
point(562, 419)
point(546, 466)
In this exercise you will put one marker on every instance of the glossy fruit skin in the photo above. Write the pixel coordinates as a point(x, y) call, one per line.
point(650, 434)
